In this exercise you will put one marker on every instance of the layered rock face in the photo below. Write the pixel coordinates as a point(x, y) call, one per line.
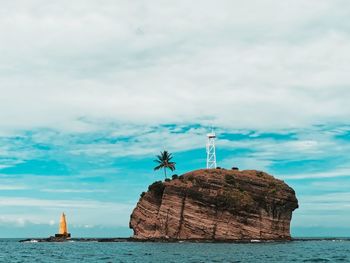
point(216, 205)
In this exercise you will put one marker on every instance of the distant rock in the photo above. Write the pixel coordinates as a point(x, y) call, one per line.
point(215, 205)
point(60, 239)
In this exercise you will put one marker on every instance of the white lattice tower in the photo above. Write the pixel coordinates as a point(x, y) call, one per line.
point(211, 155)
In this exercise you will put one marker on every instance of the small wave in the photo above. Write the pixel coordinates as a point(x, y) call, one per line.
point(31, 241)
point(255, 241)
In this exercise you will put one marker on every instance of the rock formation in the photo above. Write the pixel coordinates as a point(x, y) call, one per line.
point(215, 205)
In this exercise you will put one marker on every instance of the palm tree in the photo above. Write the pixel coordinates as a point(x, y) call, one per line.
point(164, 161)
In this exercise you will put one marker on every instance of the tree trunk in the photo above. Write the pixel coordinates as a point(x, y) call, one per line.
point(165, 172)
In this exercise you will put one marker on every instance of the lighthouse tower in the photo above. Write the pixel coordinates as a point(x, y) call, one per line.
point(211, 156)
point(63, 230)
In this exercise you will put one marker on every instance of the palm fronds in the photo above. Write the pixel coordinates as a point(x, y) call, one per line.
point(164, 162)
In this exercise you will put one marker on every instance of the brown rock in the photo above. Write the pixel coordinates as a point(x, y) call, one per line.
point(216, 205)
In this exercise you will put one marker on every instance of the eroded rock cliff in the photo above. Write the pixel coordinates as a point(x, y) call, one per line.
point(216, 204)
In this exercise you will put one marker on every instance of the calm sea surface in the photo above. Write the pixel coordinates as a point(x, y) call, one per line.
point(297, 251)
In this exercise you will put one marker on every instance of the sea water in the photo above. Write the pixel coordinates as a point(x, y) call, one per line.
point(297, 251)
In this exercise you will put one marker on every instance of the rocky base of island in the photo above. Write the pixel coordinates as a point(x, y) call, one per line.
point(159, 240)
point(130, 239)
point(63, 239)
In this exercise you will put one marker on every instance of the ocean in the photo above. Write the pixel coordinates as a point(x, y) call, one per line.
point(297, 251)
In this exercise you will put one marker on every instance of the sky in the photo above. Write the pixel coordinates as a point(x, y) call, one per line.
point(91, 91)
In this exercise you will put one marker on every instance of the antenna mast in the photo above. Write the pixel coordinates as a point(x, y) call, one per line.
point(211, 155)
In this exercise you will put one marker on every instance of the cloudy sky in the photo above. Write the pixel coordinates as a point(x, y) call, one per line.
point(92, 90)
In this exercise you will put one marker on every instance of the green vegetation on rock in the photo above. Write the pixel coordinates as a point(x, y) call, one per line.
point(230, 179)
point(235, 199)
point(157, 188)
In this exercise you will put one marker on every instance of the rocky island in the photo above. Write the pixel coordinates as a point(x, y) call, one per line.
point(215, 205)
point(208, 205)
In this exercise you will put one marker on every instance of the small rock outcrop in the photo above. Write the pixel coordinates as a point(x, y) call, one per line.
point(215, 205)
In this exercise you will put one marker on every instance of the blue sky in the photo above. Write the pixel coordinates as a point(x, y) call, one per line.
point(90, 93)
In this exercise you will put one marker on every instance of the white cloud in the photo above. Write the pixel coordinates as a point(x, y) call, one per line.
point(341, 198)
point(18, 221)
point(251, 62)
point(144, 143)
point(74, 190)
point(323, 210)
point(42, 211)
point(339, 172)
point(45, 203)
point(13, 187)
